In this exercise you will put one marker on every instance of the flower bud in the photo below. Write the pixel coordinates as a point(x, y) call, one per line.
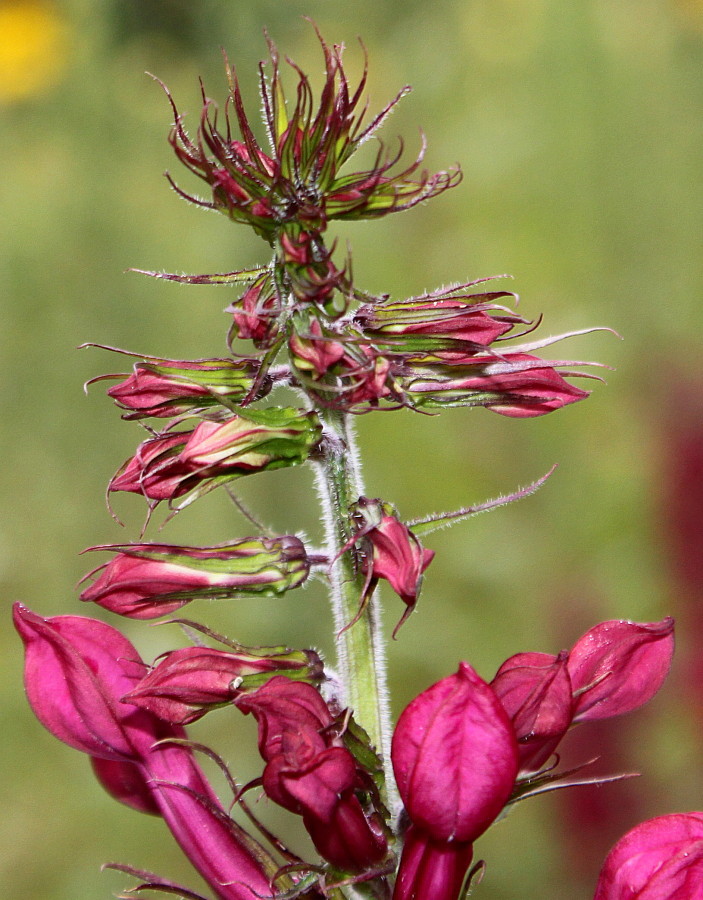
point(315, 353)
point(174, 463)
point(255, 314)
point(513, 384)
point(171, 387)
point(300, 181)
point(148, 580)
point(657, 860)
point(437, 320)
point(618, 666)
point(188, 682)
point(535, 691)
point(455, 758)
point(396, 553)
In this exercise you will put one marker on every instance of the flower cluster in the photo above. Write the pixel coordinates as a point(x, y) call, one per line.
point(391, 813)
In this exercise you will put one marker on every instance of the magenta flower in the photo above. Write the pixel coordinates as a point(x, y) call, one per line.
point(612, 669)
point(455, 759)
point(187, 682)
point(661, 859)
point(310, 772)
point(618, 666)
point(535, 691)
point(390, 551)
point(145, 581)
point(76, 671)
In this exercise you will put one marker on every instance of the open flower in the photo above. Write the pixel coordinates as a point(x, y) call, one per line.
point(76, 672)
point(310, 772)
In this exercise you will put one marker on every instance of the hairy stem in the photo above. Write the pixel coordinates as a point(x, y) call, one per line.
point(361, 651)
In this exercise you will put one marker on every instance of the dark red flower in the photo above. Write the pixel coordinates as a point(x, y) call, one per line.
point(310, 772)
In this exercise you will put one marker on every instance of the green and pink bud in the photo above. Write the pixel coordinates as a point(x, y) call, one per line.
point(174, 463)
point(165, 388)
point(340, 374)
point(514, 384)
point(439, 320)
point(144, 581)
point(186, 683)
point(255, 315)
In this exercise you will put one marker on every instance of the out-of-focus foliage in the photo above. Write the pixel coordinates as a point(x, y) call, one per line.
point(579, 127)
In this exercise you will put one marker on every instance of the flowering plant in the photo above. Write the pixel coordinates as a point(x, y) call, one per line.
point(391, 812)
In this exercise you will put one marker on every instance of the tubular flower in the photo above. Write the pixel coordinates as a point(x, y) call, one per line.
point(455, 759)
point(145, 581)
point(174, 463)
point(298, 180)
point(167, 387)
point(661, 859)
point(186, 683)
point(76, 671)
point(310, 772)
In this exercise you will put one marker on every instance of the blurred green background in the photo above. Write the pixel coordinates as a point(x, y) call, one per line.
point(579, 127)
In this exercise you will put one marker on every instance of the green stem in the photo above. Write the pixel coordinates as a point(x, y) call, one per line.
point(361, 650)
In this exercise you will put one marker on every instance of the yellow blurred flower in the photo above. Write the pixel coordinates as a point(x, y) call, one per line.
point(33, 48)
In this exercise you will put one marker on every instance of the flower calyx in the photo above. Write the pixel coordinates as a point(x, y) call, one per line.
point(298, 179)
